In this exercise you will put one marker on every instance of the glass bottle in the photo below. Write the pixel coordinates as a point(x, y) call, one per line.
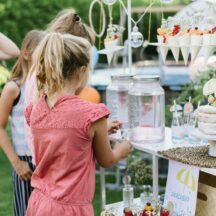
point(128, 192)
point(146, 196)
point(146, 109)
point(177, 128)
point(193, 125)
point(117, 98)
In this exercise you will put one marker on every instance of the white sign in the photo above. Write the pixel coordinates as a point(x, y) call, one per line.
point(181, 189)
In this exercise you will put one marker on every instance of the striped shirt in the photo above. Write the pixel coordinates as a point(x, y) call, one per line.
point(17, 126)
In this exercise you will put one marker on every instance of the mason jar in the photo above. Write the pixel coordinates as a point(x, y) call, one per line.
point(147, 109)
point(117, 97)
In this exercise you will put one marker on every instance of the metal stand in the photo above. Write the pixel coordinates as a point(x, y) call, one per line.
point(155, 176)
point(102, 187)
point(129, 37)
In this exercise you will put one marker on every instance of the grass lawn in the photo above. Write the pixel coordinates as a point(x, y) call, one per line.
point(6, 197)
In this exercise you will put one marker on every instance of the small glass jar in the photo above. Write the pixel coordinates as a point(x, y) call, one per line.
point(146, 196)
point(117, 97)
point(147, 109)
point(128, 192)
point(177, 128)
point(128, 196)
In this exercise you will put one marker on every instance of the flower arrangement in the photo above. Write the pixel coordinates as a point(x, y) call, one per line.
point(195, 89)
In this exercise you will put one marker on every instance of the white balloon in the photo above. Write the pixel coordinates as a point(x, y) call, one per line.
point(109, 2)
point(137, 38)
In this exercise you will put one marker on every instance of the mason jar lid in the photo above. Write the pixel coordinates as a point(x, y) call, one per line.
point(146, 78)
point(122, 76)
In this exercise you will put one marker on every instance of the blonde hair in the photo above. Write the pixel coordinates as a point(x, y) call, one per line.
point(66, 22)
point(21, 68)
point(59, 58)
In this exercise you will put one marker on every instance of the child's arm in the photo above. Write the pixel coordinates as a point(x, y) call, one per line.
point(9, 94)
point(105, 155)
point(8, 48)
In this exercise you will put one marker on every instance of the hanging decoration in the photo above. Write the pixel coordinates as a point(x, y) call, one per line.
point(111, 42)
point(188, 36)
point(109, 2)
point(136, 38)
point(103, 17)
point(185, 35)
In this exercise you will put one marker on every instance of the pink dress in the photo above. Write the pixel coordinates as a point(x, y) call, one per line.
point(64, 179)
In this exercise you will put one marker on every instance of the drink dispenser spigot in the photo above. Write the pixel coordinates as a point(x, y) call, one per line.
point(147, 109)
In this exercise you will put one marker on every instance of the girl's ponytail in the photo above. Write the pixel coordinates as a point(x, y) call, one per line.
point(58, 58)
point(49, 63)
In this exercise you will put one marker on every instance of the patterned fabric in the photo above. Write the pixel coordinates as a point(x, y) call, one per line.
point(196, 156)
point(17, 126)
point(21, 190)
point(64, 178)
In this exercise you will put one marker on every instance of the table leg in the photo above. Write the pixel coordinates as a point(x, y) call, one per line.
point(102, 188)
point(155, 176)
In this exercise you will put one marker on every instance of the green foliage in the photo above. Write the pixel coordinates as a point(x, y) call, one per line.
point(141, 172)
point(195, 89)
point(19, 17)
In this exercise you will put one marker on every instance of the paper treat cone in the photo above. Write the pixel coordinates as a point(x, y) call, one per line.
point(184, 42)
point(110, 47)
point(194, 52)
point(196, 43)
point(208, 50)
point(185, 53)
point(174, 46)
point(214, 39)
point(163, 48)
point(207, 39)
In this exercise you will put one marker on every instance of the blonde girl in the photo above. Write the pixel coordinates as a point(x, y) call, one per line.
point(67, 21)
point(12, 104)
point(69, 134)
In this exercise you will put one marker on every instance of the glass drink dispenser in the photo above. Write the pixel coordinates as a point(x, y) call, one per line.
point(147, 109)
point(117, 98)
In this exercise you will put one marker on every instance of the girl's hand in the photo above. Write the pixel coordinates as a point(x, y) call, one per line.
point(123, 148)
point(113, 126)
point(23, 170)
